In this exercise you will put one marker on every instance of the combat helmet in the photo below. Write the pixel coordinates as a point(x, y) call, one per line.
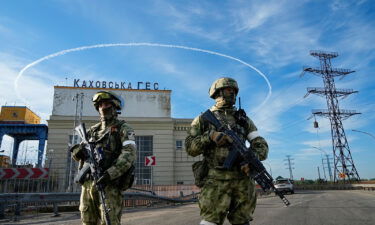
point(106, 95)
point(222, 83)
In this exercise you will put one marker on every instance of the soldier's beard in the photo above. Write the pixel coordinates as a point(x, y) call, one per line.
point(107, 114)
point(225, 101)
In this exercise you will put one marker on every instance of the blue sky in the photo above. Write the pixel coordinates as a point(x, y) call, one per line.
point(273, 36)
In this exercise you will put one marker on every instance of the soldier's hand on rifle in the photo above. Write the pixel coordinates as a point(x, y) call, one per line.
point(78, 152)
point(220, 138)
point(246, 169)
point(104, 180)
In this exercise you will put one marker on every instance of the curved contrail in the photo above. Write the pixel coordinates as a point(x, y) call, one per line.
point(140, 44)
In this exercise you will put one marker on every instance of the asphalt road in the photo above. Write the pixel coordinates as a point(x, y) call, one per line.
point(308, 208)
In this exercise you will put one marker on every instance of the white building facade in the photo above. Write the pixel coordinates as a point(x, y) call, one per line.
point(147, 111)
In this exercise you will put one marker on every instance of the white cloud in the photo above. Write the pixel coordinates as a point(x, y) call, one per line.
point(306, 154)
point(4, 30)
point(282, 100)
point(322, 144)
point(190, 19)
point(185, 81)
point(342, 5)
point(33, 87)
point(256, 14)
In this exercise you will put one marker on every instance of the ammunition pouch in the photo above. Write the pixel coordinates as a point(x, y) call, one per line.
point(200, 171)
point(127, 179)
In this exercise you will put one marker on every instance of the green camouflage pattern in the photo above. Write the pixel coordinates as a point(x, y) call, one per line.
point(222, 83)
point(234, 199)
point(198, 140)
point(127, 155)
point(226, 193)
point(116, 138)
point(92, 210)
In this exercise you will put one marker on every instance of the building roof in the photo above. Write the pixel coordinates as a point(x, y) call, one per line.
point(112, 89)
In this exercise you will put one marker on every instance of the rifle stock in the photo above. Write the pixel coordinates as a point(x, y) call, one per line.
point(239, 149)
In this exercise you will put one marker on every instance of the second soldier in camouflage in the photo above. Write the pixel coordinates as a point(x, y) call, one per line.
point(225, 193)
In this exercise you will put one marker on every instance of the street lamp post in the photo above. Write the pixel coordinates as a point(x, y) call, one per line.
point(268, 166)
point(371, 135)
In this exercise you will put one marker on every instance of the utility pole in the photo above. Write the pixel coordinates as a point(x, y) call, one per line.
point(78, 98)
point(319, 173)
point(324, 161)
point(329, 167)
point(324, 169)
point(344, 167)
point(289, 164)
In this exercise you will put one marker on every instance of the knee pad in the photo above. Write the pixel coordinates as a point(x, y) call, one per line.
point(204, 222)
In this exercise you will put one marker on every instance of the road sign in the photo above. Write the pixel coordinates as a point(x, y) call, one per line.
point(342, 175)
point(23, 173)
point(150, 160)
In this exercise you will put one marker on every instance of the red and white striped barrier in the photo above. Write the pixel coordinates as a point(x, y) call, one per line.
point(23, 173)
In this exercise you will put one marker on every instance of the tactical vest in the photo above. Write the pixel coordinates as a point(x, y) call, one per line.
point(214, 156)
point(217, 155)
point(108, 142)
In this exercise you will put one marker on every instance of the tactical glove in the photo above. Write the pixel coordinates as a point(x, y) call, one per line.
point(104, 180)
point(220, 138)
point(78, 152)
point(246, 169)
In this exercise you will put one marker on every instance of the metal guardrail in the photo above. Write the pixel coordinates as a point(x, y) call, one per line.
point(17, 199)
point(334, 187)
point(72, 197)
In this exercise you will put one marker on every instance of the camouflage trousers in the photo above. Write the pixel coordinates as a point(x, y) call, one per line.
point(92, 212)
point(234, 199)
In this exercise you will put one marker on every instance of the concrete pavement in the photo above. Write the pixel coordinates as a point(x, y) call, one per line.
point(308, 208)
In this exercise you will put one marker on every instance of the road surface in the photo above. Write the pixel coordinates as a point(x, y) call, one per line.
point(308, 208)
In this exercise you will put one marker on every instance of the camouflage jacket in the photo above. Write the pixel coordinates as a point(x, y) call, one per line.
point(198, 141)
point(118, 143)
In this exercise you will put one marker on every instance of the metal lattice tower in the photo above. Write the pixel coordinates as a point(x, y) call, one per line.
point(343, 162)
point(290, 166)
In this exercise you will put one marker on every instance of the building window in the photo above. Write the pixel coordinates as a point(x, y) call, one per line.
point(180, 182)
point(178, 144)
point(144, 148)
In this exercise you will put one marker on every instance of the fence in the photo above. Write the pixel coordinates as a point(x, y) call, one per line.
point(11, 204)
point(336, 187)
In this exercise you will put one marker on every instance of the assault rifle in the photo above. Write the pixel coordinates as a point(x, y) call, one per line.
point(238, 150)
point(94, 159)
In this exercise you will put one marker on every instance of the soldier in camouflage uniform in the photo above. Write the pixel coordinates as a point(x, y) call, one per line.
point(116, 138)
point(225, 193)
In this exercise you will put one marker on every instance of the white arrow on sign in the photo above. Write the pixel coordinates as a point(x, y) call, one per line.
point(150, 160)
